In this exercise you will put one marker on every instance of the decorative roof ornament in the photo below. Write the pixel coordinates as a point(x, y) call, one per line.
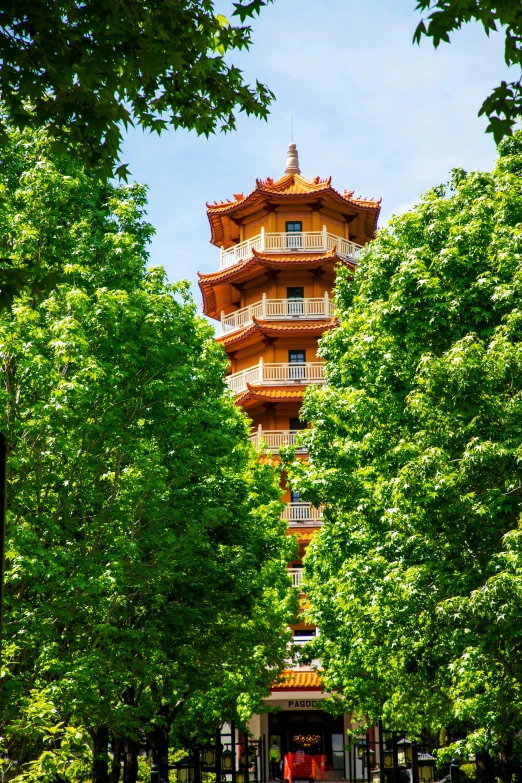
point(292, 160)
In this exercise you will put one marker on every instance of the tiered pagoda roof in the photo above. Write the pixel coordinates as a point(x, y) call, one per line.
point(226, 217)
point(255, 394)
point(259, 328)
point(253, 266)
point(298, 681)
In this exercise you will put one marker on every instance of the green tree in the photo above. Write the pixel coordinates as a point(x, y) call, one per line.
point(85, 70)
point(503, 107)
point(416, 577)
point(147, 591)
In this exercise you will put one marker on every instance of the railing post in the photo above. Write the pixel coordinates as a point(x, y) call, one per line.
point(262, 239)
point(261, 369)
point(222, 322)
point(326, 303)
point(263, 306)
point(221, 256)
point(259, 434)
point(324, 237)
point(454, 771)
point(381, 752)
point(395, 758)
point(233, 744)
point(414, 763)
point(197, 765)
point(219, 750)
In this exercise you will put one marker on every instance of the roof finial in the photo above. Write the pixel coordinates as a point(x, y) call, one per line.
point(292, 160)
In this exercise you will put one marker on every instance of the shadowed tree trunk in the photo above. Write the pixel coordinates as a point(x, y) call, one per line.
point(100, 755)
point(485, 767)
point(500, 767)
point(159, 740)
point(130, 760)
point(509, 768)
point(117, 747)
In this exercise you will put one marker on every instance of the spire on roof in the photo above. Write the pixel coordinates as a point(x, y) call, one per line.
point(292, 160)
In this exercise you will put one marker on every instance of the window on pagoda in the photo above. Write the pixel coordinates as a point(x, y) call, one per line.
point(297, 424)
point(294, 238)
point(295, 300)
point(296, 365)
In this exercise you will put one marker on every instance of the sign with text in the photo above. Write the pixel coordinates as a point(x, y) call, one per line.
point(297, 704)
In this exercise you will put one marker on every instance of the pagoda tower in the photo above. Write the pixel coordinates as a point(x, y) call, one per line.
point(280, 247)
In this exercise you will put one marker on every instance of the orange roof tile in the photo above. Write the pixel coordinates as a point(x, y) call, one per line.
point(270, 393)
point(258, 326)
point(289, 186)
point(271, 259)
point(304, 535)
point(361, 201)
point(296, 681)
point(249, 267)
point(296, 257)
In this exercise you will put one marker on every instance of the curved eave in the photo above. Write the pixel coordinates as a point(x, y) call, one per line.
point(297, 681)
point(260, 328)
point(290, 187)
point(248, 269)
point(304, 535)
point(256, 394)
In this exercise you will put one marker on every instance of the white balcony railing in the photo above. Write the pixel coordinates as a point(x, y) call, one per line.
point(302, 514)
point(277, 310)
point(276, 374)
point(290, 242)
point(297, 576)
point(304, 638)
point(274, 439)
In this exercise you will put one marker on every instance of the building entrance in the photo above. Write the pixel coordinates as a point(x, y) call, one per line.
point(313, 731)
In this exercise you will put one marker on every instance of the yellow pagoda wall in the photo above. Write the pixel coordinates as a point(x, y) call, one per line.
point(275, 288)
point(275, 222)
point(278, 352)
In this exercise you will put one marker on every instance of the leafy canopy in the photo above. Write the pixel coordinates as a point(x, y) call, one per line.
point(86, 69)
point(146, 558)
point(503, 107)
point(416, 576)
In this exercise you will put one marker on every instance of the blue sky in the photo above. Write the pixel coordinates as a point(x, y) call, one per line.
point(381, 116)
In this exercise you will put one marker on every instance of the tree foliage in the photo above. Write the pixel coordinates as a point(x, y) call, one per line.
point(416, 577)
point(147, 592)
point(85, 70)
point(503, 107)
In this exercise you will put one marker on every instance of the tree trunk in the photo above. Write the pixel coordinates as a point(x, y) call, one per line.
point(130, 760)
point(486, 772)
point(100, 755)
point(509, 768)
point(159, 740)
point(117, 747)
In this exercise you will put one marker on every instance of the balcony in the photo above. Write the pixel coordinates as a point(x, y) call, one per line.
point(290, 242)
point(298, 514)
point(278, 310)
point(297, 576)
point(304, 637)
point(276, 374)
point(274, 439)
